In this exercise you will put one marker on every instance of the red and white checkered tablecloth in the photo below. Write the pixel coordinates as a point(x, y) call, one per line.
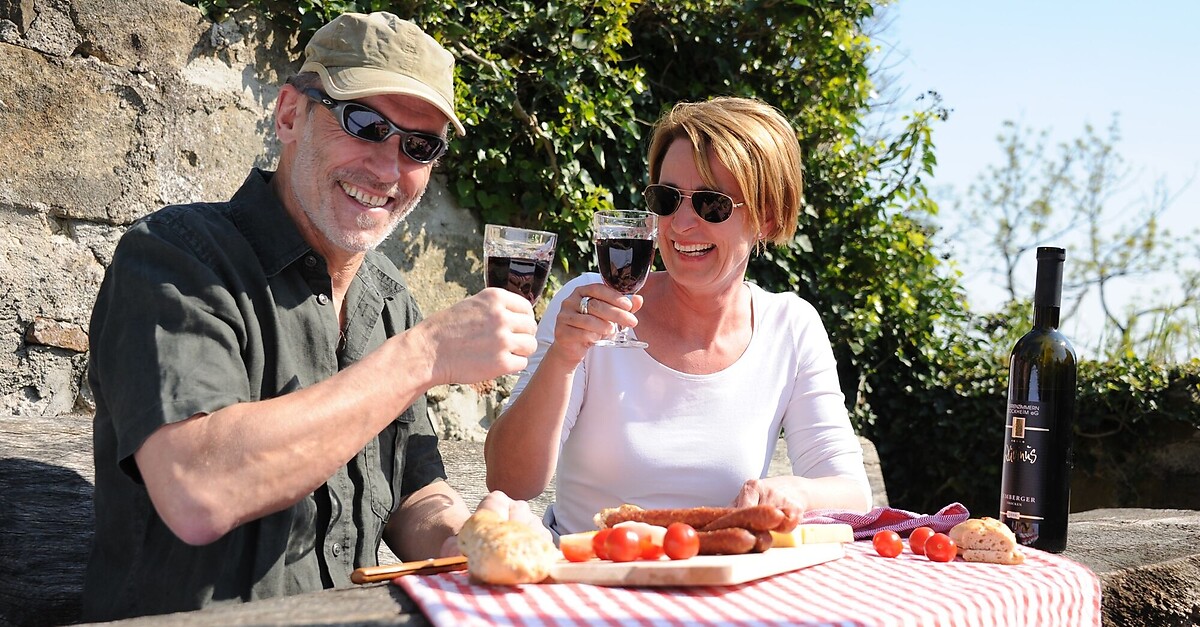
point(861, 589)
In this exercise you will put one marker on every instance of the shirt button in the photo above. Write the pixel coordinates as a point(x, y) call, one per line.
point(323, 299)
point(337, 549)
point(310, 261)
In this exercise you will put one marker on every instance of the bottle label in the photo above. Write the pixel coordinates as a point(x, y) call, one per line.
point(1027, 438)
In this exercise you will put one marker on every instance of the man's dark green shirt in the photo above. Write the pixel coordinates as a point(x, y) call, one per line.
point(205, 306)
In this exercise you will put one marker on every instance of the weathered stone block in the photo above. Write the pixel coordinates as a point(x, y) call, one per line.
point(19, 12)
point(58, 334)
point(47, 274)
point(50, 30)
point(65, 135)
point(150, 35)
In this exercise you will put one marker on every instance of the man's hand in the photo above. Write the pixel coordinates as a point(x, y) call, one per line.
point(479, 338)
point(514, 510)
point(508, 509)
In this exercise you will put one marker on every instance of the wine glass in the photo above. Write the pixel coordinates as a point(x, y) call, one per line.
point(625, 244)
point(518, 260)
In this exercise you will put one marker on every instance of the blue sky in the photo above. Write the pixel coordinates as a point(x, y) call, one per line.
point(1057, 65)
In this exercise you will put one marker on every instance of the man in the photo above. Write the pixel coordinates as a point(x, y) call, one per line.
point(259, 370)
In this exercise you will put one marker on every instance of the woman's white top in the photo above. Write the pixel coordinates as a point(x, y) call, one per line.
point(639, 432)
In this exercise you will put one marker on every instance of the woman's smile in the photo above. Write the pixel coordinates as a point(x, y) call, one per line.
point(693, 250)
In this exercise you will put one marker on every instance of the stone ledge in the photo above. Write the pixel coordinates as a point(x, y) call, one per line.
point(1148, 561)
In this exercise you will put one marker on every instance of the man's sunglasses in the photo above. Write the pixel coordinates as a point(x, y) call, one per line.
point(711, 206)
point(368, 124)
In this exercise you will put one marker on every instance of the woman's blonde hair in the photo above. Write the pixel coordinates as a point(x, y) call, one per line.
point(755, 142)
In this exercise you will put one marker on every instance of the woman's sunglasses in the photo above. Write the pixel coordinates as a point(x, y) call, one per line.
point(713, 207)
point(368, 124)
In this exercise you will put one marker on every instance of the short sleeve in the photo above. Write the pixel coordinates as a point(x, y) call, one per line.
point(166, 339)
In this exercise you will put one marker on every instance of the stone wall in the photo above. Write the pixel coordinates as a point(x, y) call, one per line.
point(111, 109)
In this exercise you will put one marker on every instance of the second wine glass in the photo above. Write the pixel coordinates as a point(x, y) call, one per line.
point(518, 260)
point(625, 244)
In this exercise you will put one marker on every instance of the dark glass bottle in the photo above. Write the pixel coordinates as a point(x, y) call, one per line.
point(1035, 486)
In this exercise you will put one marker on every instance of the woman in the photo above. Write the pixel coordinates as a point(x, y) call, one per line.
point(693, 419)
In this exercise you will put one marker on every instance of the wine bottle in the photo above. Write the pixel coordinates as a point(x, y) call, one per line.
point(1035, 485)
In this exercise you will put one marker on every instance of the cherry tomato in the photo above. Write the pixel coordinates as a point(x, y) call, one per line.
point(623, 545)
point(940, 548)
point(917, 539)
point(650, 538)
point(599, 544)
point(681, 541)
point(648, 549)
point(887, 543)
point(577, 547)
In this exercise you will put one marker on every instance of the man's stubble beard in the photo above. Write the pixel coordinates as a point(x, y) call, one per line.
point(404, 206)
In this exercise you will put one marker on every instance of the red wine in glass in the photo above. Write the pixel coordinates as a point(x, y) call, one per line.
point(625, 244)
point(517, 259)
point(519, 275)
point(625, 262)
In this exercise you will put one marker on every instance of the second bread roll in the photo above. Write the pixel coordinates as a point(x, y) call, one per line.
point(505, 552)
point(986, 540)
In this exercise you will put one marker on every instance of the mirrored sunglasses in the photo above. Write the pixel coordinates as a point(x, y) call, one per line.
point(711, 206)
point(368, 124)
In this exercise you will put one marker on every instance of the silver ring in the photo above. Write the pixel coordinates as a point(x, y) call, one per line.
point(583, 305)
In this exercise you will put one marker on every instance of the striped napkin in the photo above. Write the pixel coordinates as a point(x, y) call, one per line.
point(898, 520)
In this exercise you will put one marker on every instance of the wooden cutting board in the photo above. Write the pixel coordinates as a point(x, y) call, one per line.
point(702, 570)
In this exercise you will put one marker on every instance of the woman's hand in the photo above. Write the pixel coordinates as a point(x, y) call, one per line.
point(577, 327)
point(796, 495)
point(774, 491)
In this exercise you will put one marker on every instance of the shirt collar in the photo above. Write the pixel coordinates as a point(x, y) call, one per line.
point(266, 224)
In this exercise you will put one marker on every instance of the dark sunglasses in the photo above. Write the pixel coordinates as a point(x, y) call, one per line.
point(711, 206)
point(368, 124)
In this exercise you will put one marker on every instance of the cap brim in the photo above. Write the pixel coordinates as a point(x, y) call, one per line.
point(351, 83)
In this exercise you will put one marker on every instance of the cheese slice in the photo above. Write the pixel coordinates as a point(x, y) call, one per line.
point(813, 534)
point(783, 540)
point(823, 533)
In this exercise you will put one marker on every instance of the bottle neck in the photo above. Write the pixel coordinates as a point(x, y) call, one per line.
point(1045, 316)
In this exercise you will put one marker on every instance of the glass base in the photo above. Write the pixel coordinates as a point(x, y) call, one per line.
point(621, 343)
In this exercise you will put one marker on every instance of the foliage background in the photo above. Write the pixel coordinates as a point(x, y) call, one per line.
point(557, 97)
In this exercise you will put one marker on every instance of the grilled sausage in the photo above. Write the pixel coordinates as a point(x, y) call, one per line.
point(731, 541)
point(754, 518)
point(763, 540)
point(697, 517)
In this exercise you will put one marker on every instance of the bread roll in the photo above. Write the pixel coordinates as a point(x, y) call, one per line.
point(505, 552)
point(986, 540)
point(1011, 558)
point(601, 518)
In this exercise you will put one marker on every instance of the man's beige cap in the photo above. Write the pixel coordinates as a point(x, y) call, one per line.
point(359, 55)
